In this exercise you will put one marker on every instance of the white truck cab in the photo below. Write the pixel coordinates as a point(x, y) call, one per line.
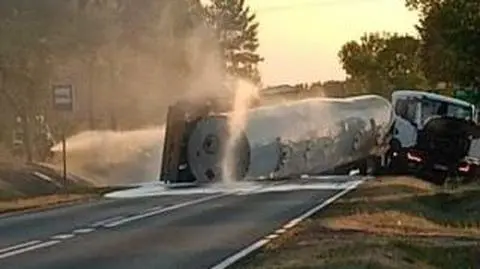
point(413, 110)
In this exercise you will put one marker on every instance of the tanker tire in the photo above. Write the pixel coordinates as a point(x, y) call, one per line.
point(370, 166)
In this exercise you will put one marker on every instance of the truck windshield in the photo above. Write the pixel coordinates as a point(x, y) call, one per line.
point(431, 107)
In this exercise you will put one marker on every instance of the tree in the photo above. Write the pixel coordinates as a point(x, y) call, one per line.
point(381, 62)
point(450, 40)
point(237, 30)
point(130, 57)
point(26, 59)
point(334, 88)
point(401, 62)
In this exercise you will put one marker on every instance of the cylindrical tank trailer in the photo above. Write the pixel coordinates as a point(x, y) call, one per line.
point(310, 136)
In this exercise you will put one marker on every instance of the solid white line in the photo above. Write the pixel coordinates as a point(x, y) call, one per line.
point(27, 249)
point(291, 224)
point(259, 244)
point(163, 210)
point(83, 231)
point(272, 236)
point(62, 236)
point(27, 244)
point(280, 231)
point(325, 203)
point(236, 257)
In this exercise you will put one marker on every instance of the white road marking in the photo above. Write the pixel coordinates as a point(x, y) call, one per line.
point(155, 208)
point(259, 244)
point(83, 231)
point(106, 221)
point(42, 176)
point(280, 231)
point(162, 210)
point(46, 178)
point(62, 236)
point(291, 224)
point(304, 186)
point(272, 236)
point(29, 248)
point(325, 203)
point(236, 257)
point(27, 244)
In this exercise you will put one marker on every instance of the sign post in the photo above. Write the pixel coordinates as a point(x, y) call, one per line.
point(63, 102)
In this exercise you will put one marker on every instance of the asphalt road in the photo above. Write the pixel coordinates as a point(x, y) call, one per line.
point(196, 230)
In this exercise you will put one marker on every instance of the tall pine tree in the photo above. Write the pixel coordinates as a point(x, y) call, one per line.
point(237, 31)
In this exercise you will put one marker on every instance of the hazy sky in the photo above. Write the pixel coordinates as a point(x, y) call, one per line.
point(300, 39)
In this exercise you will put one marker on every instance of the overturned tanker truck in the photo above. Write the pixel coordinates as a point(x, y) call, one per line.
point(308, 137)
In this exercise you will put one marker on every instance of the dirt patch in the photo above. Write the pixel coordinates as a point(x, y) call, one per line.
point(387, 223)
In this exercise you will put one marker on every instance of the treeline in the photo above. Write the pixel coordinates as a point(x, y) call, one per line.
point(446, 53)
point(127, 60)
point(330, 88)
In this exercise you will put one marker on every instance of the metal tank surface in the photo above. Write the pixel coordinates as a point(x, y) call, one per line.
point(310, 136)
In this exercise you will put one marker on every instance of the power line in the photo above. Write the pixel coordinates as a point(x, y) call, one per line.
point(311, 4)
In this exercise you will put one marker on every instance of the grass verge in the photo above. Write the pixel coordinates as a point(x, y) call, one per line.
point(388, 223)
point(12, 202)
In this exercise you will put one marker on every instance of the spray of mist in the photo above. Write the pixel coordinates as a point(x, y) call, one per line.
point(117, 158)
point(237, 119)
point(114, 158)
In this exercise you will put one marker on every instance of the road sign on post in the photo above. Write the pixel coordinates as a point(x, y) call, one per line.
point(63, 102)
point(63, 98)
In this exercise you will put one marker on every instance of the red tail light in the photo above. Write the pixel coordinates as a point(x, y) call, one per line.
point(464, 167)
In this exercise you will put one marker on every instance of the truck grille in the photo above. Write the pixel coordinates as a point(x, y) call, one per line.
point(449, 148)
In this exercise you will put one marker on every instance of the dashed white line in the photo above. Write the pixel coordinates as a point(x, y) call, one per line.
point(106, 221)
point(154, 208)
point(163, 210)
point(259, 244)
point(29, 248)
point(83, 231)
point(280, 231)
point(62, 236)
point(23, 245)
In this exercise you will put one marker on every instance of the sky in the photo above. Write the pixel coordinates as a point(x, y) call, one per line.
point(300, 39)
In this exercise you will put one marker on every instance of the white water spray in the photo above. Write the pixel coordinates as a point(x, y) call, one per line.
point(237, 120)
point(114, 158)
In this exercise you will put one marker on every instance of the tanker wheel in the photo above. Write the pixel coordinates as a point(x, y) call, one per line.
point(370, 166)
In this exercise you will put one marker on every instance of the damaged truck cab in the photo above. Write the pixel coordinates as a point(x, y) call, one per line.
point(433, 136)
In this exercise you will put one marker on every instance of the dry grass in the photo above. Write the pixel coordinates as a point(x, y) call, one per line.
point(47, 201)
point(387, 223)
point(42, 202)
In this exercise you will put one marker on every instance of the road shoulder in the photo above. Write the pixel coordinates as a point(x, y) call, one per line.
point(387, 223)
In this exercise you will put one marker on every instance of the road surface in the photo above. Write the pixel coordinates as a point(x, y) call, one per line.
point(196, 229)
